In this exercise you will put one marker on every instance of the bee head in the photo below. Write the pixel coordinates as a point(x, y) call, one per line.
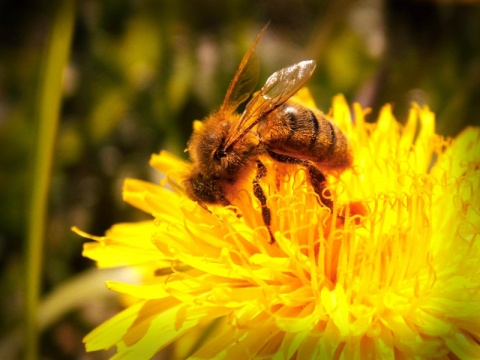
point(209, 154)
point(204, 189)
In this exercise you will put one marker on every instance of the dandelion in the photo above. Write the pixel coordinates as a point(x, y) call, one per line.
point(398, 280)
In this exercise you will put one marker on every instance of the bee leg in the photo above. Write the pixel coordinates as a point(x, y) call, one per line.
point(319, 183)
point(260, 195)
point(316, 177)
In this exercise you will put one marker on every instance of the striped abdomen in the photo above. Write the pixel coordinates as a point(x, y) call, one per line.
point(299, 132)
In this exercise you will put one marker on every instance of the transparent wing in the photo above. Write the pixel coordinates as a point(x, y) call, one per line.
point(280, 86)
point(245, 80)
point(283, 84)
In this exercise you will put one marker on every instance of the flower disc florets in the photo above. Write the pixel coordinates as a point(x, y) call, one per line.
point(392, 271)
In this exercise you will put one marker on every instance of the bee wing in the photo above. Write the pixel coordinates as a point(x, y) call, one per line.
point(283, 84)
point(280, 86)
point(245, 80)
point(242, 85)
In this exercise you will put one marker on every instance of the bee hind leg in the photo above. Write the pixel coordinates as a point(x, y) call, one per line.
point(315, 176)
point(319, 184)
point(260, 195)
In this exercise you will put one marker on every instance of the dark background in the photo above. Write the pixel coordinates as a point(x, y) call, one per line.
point(141, 71)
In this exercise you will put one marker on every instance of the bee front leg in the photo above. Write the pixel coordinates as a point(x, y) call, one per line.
point(260, 195)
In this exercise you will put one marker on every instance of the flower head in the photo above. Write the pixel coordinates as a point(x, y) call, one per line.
point(392, 270)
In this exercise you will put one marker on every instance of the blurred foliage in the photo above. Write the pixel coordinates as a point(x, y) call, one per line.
point(141, 71)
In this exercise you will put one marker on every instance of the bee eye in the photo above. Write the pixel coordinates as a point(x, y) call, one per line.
point(219, 154)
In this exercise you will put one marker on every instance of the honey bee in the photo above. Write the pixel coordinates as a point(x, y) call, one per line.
point(229, 144)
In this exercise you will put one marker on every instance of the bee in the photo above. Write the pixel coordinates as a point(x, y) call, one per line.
point(229, 144)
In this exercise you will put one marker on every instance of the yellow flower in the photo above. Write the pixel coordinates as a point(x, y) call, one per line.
point(399, 280)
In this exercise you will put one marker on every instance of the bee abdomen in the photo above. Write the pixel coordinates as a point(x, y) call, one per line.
point(300, 132)
point(332, 147)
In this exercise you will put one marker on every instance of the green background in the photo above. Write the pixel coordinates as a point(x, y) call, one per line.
point(139, 73)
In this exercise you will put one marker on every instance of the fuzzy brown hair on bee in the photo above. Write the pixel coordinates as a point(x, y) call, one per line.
point(229, 144)
point(214, 165)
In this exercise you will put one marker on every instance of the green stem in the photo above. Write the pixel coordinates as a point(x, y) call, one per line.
point(48, 107)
